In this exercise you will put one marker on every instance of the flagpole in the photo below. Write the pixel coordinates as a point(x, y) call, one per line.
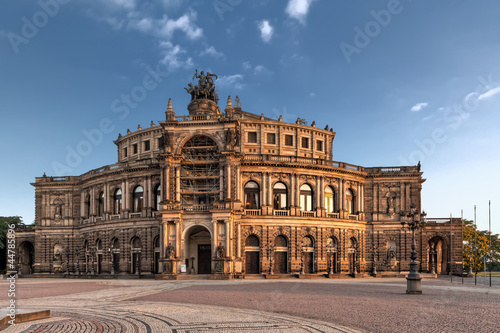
point(475, 247)
point(462, 220)
point(489, 221)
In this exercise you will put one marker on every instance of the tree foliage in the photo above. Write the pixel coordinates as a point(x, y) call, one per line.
point(477, 245)
point(5, 221)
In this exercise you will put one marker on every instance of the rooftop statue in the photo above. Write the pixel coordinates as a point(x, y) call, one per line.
point(205, 89)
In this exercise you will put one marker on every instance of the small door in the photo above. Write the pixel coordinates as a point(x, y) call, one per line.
point(99, 263)
point(157, 259)
point(252, 262)
point(309, 262)
point(204, 259)
point(116, 260)
point(281, 260)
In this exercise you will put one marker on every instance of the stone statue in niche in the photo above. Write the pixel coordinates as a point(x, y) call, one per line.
point(170, 252)
point(391, 198)
point(220, 251)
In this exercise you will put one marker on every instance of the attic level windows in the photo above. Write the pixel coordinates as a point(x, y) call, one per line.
point(271, 138)
point(125, 152)
point(319, 145)
point(289, 140)
point(305, 142)
point(147, 145)
point(134, 147)
point(252, 137)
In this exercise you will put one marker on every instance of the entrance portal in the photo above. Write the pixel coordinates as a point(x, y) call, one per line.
point(26, 254)
point(198, 250)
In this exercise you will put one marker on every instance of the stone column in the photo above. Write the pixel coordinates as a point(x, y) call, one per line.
point(270, 190)
point(238, 184)
point(238, 239)
point(402, 196)
point(228, 180)
point(221, 183)
point(264, 189)
point(82, 204)
point(408, 197)
point(177, 184)
point(215, 233)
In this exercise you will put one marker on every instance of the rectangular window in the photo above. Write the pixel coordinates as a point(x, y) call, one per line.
point(319, 145)
point(147, 145)
point(134, 147)
point(289, 140)
point(271, 138)
point(125, 152)
point(252, 137)
point(305, 142)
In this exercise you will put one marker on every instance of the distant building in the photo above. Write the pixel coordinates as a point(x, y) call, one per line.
point(231, 194)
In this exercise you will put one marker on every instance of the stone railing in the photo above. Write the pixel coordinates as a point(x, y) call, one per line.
point(333, 215)
point(252, 212)
point(301, 160)
point(281, 212)
point(353, 217)
point(388, 170)
point(200, 117)
point(308, 214)
point(114, 217)
point(135, 215)
point(437, 220)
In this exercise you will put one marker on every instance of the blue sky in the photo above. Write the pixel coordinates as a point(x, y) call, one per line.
point(399, 81)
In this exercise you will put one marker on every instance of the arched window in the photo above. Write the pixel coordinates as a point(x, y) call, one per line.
point(252, 195)
point(280, 196)
point(117, 199)
point(157, 197)
point(306, 198)
point(350, 199)
point(87, 205)
point(138, 199)
point(329, 200)
point(100, 204)
point(280, 241)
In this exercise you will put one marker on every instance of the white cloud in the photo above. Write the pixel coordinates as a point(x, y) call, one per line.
point(261, 69)
point(298, 9)
point(231, 81)
point(419, 106)
point(183, 23)
point(173, 56)
point(490, 93)
point(126, 4)
point(313, 94)
point(266, 31)
point(246, 65)
point(211, 51)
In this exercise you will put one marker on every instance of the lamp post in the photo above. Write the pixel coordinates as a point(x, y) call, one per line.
point(111, 251)
point(92, 253)
point(413, 280)
point(77, 255)
point(331, 250)
point(375, 252)
point(270, 254)
point(67, 261)
point(433, 263)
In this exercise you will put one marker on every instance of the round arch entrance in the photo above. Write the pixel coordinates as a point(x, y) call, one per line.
point(198, 250)
point(26, 257)
point(438, 253)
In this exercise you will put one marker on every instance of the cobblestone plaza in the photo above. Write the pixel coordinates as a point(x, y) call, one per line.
point(288, 305)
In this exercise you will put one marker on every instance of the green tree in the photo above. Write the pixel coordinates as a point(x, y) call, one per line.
point(473, 237)
point(5, 222)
